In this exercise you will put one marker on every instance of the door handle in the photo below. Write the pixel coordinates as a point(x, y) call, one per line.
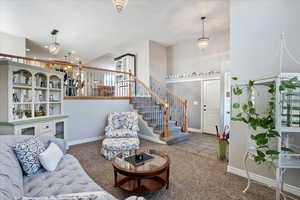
point(204, 109)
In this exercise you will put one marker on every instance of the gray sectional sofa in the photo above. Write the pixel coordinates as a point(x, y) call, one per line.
point(69, 177)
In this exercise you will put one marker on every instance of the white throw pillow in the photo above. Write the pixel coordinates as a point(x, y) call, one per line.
point(51, 157)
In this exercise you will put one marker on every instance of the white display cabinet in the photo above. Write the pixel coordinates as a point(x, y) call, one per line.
point(31, 100)
point(124, 63)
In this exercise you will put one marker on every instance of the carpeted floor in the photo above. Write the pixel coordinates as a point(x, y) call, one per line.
point(195, 173)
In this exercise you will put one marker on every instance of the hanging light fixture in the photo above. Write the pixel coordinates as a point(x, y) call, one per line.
point(120, 5)
point(54, 46)
point(203, 41)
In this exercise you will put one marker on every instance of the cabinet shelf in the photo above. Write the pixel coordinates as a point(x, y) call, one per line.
point(22, 87)
point(290, 129)
point(40, 88)
point(55, 89)
point(22, 103)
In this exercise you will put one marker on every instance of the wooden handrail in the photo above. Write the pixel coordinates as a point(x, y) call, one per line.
point(57, 62)
point(150, 91)
point(168, 90)
point(102, 69)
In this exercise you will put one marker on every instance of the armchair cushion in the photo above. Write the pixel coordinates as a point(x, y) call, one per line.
point(121, 133)
point(120, 144)
point(122, 120)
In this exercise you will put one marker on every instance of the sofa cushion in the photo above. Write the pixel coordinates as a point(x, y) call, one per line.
point(28, 154)
point(69, 177)
point(50, 157)
point(11, 175)
point(121, 133)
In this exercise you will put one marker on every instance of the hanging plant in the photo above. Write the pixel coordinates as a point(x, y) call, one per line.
point(263, 121)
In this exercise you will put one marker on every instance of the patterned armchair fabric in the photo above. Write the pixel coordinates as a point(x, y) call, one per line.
point(123, 120)
point(121, 134)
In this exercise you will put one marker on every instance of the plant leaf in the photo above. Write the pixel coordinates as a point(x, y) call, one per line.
point(287, 149)
point(236, 105)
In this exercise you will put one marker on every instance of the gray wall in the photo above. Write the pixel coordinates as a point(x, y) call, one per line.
point(255, 40)
point(187, 57)
point(105, 61)
point(13, 45)
point(158, 61)
point(88, 118)
point(193, 89)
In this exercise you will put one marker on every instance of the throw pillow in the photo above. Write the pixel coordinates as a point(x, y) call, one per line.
point(27, 153)
point(51, 157)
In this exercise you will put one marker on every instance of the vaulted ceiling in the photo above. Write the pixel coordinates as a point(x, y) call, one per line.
point(91, 27)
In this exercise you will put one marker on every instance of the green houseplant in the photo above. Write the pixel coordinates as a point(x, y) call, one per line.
point(265, 121)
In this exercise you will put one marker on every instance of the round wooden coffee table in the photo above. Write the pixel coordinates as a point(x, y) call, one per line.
point(148, 177)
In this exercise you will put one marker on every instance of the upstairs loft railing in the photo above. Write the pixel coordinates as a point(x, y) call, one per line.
point(85, 82)
point(81, 81)
point(177, 106)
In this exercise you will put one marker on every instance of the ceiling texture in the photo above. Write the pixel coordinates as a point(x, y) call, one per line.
point(92, 27)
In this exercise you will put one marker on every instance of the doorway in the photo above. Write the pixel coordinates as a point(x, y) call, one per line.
point(210, 106)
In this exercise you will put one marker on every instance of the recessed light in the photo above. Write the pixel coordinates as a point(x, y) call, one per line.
point(46, 46)
point(27, 49)
point(72, 52)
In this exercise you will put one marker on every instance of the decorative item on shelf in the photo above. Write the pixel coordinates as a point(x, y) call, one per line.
point(222, 143)
point(15, 97)
point(193, 75)
point(203, 40)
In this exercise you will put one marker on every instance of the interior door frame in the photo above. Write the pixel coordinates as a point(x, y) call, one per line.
point(202, 100)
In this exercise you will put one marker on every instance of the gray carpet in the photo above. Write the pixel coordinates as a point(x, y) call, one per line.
point(195, 172)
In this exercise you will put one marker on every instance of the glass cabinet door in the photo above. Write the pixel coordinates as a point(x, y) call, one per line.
point(60, 130)
point(28, 131)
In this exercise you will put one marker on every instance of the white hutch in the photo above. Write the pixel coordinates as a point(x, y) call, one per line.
point(31, 101)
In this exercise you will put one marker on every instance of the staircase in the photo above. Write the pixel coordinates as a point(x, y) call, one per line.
point(165, 116)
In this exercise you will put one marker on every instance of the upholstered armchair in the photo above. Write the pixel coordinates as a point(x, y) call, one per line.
point(121, 134)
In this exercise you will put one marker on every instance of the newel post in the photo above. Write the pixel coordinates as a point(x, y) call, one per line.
point(185, 121)
point(166, 121)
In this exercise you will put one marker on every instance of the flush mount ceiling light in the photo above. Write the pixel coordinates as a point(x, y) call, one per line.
point(54, 46)
point(203, 41)
point(120, 5)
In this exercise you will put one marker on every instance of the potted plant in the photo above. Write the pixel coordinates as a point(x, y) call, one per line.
point(263, 121)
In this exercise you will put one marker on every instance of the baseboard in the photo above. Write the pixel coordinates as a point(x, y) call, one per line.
point(264, 180)
point(84, 140)
point(195, 130)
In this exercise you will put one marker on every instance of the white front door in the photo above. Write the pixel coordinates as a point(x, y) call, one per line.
point(211, 106)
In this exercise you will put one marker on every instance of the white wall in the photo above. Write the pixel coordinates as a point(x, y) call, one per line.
point(141, 50)
point(187, 57)
point(88, 118)
point(256, 26)
point(12, 45)
point(106, 61)
point(158, 61)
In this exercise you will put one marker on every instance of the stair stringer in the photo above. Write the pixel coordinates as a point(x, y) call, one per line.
point(147, 132)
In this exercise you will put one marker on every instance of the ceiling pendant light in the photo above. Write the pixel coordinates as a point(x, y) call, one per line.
point(203, 41)
point(120, 5)
point(54, 46)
